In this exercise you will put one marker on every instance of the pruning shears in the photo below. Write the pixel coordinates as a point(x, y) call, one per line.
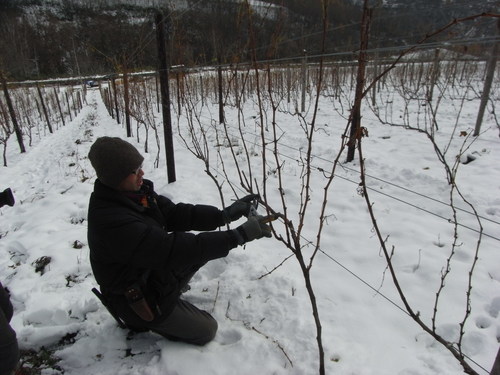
point(253, 212)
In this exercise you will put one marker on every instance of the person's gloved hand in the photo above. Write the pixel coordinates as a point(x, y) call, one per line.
point(239, 208)
point(254, 228)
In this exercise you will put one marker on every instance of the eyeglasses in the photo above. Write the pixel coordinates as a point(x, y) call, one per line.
point(137, 170)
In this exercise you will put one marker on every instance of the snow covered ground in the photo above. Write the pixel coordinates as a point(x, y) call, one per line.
point(265, 323)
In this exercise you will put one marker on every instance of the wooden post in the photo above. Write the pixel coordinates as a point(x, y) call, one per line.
point(44, 108)
point(355, 133)
point(490, 73)
point(288, 83)
point(161, 41)
point(75, 106)
point(79, 101)
point(109, 99)
point(179, 104)
point(304, 82)
point(221, 96)
point(434, 75)
point(375, 74)
point(115, 97)
point(12, 113)
point(127, 103)
point(69, 106)
point(236, 88)
point(59, 106)
point(157, 90)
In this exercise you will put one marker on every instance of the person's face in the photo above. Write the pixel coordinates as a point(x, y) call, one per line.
point(133, 182)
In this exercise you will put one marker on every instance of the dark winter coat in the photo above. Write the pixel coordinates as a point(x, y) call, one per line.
point(9, 351)
point(130, 242)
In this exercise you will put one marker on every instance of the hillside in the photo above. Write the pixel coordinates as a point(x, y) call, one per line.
point(57, 38)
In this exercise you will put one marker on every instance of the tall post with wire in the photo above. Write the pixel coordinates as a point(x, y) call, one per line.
point(126, 99)
point(161, 41)
point(490, 72)
point(304, 82)
point(355, 131)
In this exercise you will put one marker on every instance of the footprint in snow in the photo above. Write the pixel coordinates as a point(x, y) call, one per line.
point(494, 307)
point(228, 337)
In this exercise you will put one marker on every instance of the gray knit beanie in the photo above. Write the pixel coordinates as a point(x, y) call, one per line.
point(113, 160)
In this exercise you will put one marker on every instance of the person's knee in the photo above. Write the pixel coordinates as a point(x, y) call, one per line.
point(206, 331)
point(188, 324)
point(208, 334)
point(212, 330)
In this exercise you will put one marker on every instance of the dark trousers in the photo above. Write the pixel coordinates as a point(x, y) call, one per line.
point(187, 323)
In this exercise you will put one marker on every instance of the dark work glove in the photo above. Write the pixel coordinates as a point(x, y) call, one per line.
point(239, 208)
point(253, 229)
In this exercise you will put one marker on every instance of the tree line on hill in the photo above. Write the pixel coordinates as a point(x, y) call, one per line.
point(81, 39)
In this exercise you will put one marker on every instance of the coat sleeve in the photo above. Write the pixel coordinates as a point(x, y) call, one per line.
point(187, 217)
point(128, 239)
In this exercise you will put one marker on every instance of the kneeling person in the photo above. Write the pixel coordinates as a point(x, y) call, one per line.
point(141, 251)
